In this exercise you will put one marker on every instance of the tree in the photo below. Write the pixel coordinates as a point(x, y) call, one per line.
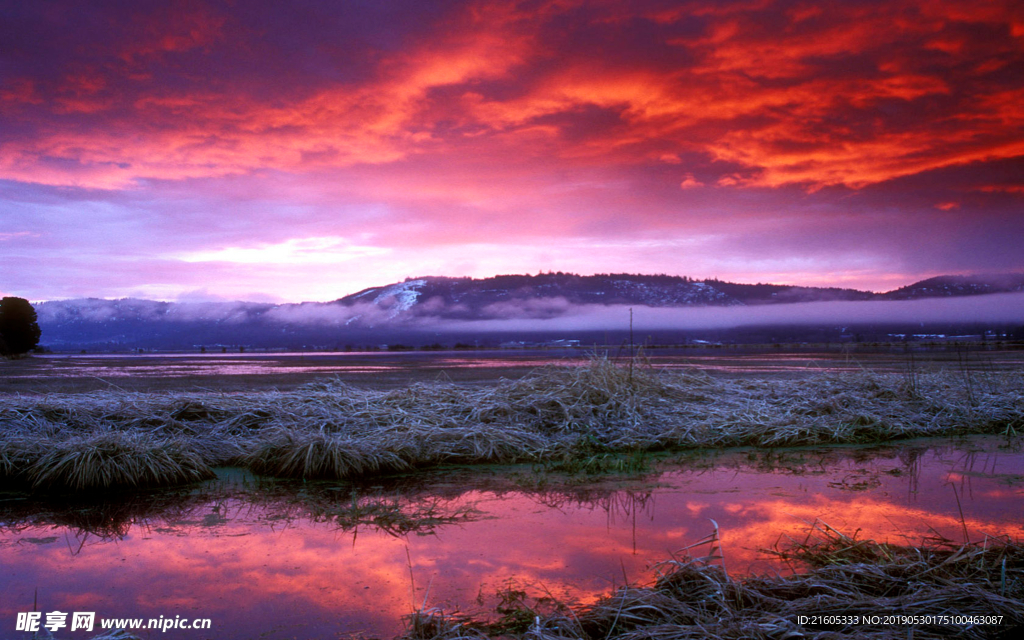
point(19, 331)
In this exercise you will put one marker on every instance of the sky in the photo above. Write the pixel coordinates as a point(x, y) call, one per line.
point(266, 151)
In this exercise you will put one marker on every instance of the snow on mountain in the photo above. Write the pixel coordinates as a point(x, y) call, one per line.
point(399, 297)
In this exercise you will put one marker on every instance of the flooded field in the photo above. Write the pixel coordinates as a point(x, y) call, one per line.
point(251, 371)
point(354, 554)
point(289, 559)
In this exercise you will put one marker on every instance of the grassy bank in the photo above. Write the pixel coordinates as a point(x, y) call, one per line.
point(846, 588)
point(331, 430)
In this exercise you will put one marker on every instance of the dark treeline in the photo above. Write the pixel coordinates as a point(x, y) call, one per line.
point(214, 339)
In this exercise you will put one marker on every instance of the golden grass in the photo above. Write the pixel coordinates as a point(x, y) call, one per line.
point(329, 429)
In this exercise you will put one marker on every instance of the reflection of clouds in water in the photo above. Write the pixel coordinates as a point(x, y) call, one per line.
point(200, 370)
point(294, 573)
point(327, 363)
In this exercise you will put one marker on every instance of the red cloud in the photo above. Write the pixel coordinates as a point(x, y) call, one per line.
point(845, 95)
point(174, 30)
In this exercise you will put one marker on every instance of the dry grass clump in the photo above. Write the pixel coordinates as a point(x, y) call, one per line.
point(18, 450)
point(862, 580)
point(574, 398)
point(329, 429)
point(319, 454)
point(846, 577)
point(116, 459)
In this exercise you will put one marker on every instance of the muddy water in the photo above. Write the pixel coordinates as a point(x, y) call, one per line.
point(293, 560)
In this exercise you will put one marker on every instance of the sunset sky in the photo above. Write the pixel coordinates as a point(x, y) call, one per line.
point(305, 150)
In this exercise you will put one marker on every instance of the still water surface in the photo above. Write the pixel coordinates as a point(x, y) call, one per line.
point(254, 371)
point(269, 560)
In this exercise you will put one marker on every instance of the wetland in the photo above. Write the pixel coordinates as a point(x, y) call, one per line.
point(518, 505)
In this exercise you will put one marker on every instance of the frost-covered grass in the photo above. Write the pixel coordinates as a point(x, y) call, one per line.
point(332, 430)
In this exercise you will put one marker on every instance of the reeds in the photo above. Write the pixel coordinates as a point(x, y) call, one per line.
point(329, 429)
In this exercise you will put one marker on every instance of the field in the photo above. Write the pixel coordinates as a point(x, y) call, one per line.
point(331, 429)
point(87, 435)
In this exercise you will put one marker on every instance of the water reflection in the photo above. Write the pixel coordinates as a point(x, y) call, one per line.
point(291, 559)
point(735, 361)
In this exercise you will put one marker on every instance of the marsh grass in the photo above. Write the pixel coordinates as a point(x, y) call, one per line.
point(576, 416)
point(116, 459)
point(588, 456)
point(838, 575)
point(596, 463)
point(292, 452)
point(392, 514)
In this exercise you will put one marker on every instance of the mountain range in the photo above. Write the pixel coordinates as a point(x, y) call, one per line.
point(419, 308)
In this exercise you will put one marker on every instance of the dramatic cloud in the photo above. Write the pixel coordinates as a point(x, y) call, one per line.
point(309, 150)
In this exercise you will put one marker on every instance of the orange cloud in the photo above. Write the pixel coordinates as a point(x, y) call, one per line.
point(175, 136)
point(689, 182)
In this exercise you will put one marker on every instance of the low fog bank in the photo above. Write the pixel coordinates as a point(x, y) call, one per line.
point(98, 310)
point(557, 314)
point(543, 314)
point(114, 325)
point(1003, 308)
